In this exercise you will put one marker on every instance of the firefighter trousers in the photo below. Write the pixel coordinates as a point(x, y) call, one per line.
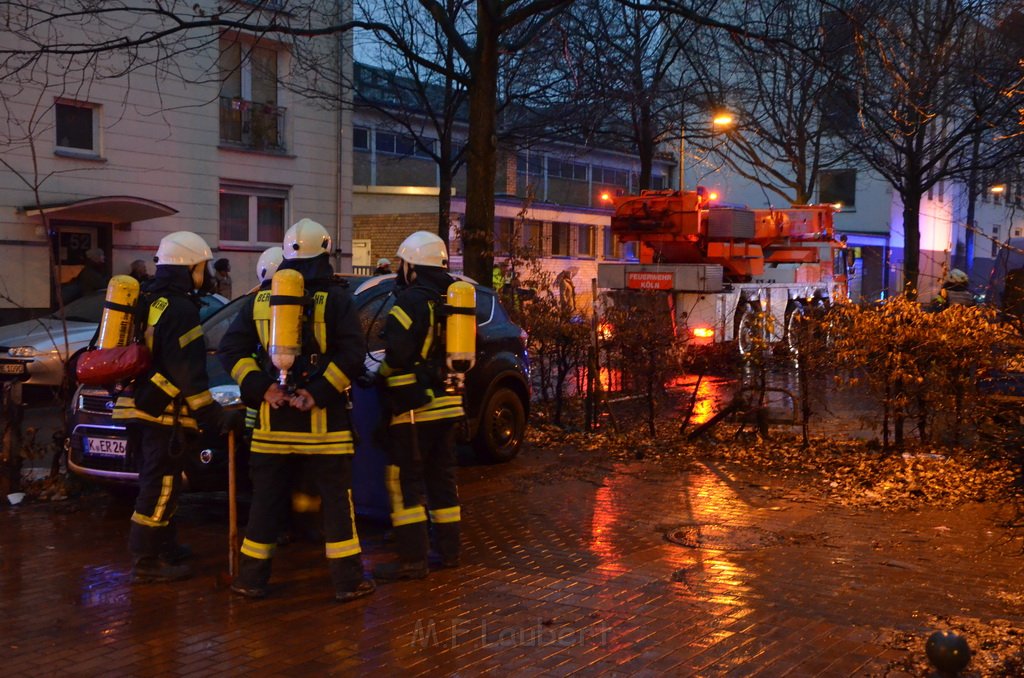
point(422, 467)
point(271, 501)
point(160, 452)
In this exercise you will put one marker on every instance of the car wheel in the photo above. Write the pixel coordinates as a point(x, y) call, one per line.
point(502, 426)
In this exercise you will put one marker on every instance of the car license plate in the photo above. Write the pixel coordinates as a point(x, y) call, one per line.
point(12, 368)
point(105, 447)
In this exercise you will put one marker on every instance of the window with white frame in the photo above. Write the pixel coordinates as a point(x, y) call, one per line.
point(77, 127)
point(585, 240)
point(252, 214)
point(404, 145)
point(610, 249)
point(564, 169)
point(360, 138)
point(250, 115)
point(560, 239)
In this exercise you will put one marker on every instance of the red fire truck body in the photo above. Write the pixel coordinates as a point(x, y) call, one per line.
point(722, 265)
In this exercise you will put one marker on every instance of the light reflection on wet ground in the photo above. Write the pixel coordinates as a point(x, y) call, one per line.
point(567, 566)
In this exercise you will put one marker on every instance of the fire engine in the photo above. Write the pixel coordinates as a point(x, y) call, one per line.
point(724, 267)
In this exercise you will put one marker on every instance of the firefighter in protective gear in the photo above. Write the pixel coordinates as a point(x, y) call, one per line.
point(267, 265)
point(954, 291)
point(421, 445)
point(170, 405)
point(307, 420)
point(305, 501)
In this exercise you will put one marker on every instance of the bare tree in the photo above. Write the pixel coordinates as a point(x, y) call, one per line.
point(932, 78)
point(781, 90)
point(627, 61)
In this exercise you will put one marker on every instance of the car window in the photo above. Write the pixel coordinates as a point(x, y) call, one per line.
point(208, 305)
point(216, 325)
point(375, 304)
point(484, 307)
point(87, 309)
point(373, 313)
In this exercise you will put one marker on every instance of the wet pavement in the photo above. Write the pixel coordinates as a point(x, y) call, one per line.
point(570, 565)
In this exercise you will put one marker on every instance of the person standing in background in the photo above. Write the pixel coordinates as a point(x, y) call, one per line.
point(139, 272)
point(222, 278)
point(93, 276)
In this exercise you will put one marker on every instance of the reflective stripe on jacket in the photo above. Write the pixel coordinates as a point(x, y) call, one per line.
point(177, 380)
point(413, 359)
point(332, 354)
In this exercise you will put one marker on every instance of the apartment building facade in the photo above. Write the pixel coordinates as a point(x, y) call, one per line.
point(548, 194)
point(222, 149)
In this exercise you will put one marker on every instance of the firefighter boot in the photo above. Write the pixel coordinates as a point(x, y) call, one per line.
point(170, 549)
point(411, 544)
point(253, 575)
point(348, 581)
point(446, 542)
point(153, 570)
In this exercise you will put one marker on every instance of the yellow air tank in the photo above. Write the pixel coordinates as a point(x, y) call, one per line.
point(460, 330)
point(287, 290)
point(117, 327)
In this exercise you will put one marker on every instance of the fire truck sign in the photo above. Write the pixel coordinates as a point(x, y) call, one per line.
point(644, 280)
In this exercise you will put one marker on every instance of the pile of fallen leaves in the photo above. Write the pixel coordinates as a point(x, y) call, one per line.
point(997, 647)
point(852, 472)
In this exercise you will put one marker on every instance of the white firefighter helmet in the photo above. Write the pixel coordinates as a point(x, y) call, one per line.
point(957, 277)
point(182, 248)
point(268, 262)
point(306, 239)
point(424, 248)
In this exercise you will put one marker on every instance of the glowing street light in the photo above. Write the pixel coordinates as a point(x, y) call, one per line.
point(719, 122)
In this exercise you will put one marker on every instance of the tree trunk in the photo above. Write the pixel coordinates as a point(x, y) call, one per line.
point(911, 243)
point(645, 150)
point(478, 231)
point(444, 202)
point(972, 197)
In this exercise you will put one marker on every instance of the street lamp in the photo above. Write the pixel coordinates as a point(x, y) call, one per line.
point(720, 122)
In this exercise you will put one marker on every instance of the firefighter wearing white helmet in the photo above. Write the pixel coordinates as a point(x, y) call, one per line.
point(308, 318)
point(955, 290)
point(306, 239)
point(421, 451)
point(267, 264)
point(170, 405)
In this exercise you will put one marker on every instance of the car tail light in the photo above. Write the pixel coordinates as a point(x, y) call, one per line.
point(703, 332)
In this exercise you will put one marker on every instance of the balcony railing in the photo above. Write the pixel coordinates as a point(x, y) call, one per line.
point(251, 125)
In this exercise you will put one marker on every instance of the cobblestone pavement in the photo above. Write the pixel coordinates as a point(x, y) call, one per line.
point(570, 566)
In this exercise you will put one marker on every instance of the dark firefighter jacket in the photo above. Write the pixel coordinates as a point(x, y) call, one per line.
point(414, 357)
point(333, 351)
point(177, 377)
